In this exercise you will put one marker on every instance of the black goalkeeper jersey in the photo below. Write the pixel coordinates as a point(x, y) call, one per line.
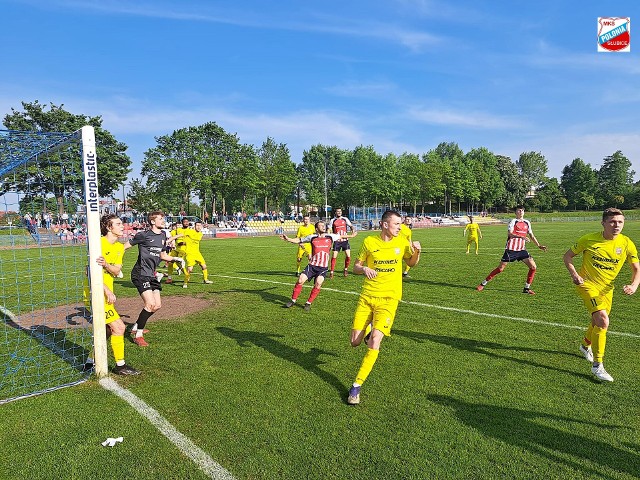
point(150, 245)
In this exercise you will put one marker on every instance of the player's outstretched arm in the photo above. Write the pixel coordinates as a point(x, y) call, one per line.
point(290, 240)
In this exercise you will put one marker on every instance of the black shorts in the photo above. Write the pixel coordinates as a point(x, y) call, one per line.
point(341, 245)
point(313, 271)
point(145, 283)
point(513, 256)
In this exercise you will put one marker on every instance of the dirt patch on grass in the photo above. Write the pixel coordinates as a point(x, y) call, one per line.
point(75, 315)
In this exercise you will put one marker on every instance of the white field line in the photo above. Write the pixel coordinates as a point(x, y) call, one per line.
point(184, 444)
point(450, 309)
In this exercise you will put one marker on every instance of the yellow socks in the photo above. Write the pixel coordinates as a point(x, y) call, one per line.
point(598, 342)
point(117, 345)
point(367, 364)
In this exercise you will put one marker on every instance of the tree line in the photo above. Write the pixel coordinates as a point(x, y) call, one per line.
point(206, 168)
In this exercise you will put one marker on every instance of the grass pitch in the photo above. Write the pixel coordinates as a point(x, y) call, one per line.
point(470, 384)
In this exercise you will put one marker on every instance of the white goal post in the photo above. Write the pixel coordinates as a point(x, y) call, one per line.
point(52, 316)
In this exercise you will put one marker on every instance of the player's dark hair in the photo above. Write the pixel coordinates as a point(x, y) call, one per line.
point(519, 207)
point(105, 223)
point(386, 216)
point(611, 212)
point(153, 215)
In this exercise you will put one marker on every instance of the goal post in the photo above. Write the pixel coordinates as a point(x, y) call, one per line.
point(92, 208)
point(52, 315)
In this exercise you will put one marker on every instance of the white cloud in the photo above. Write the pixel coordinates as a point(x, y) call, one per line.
point(465, 119)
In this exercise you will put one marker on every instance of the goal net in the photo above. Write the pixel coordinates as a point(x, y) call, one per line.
point(49, 223)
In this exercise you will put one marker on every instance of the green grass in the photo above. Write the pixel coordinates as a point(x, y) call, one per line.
point(262, 389)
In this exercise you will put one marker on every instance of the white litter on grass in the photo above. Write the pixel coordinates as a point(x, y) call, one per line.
point(209, 466)
point(110, 442)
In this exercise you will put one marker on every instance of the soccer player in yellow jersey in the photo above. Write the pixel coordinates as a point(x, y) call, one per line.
point(304, 249)
point(111, 262)
point(603, 254)
point(405, 231)
point(380, 261)
point(180, 249)
point(193, 255)
point(473, 230)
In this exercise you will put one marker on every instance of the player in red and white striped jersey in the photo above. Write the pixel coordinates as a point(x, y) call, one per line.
point(515, 250)
point(339, 225)
point(321, 243)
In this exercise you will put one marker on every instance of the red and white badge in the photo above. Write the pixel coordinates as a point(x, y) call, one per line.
point(614, 34)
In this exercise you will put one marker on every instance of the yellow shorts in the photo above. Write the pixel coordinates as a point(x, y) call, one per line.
point(304, 250)
point(593, 297)
point(471, 240)
point(193, 258)
point(380, 311)
point(110, 313)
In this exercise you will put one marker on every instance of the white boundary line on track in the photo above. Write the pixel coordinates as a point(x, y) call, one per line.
point(209, 466)
point(450, 309)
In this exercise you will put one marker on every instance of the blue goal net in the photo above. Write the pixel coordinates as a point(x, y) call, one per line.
point(45, 333)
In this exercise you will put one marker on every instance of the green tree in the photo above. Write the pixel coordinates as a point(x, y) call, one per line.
point(533, 168)
point(172, 166)
point(615, 179)
point(483, 164)
point(579, 183)
point(410, 172)
point(66, 177)
point(278, 175)
point(515, 186)
point(549, 196)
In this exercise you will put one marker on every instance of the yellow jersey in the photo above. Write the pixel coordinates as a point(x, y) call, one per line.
point(602, 259)
point(192, 239)
point(181, 243)
point(386, 259)
point(305, 231)
point(112, 254)
point(472, 230)
point(405, 232)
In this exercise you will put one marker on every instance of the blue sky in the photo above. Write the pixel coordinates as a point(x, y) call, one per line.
point(401, 75)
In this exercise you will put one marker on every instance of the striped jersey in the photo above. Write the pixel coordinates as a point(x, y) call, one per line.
point(521, 228)
point(320, 248)
point(339, 225)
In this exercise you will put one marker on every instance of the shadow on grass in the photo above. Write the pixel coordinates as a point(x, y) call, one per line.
point(310, 360)
point(463, 286)
point(263, 293)
point(487, 348)
point(271, 273)
point(526, 430)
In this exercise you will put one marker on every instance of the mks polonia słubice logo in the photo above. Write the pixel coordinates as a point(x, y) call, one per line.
point(614, 34)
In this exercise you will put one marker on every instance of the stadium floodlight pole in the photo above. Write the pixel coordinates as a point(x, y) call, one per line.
point(92, 206)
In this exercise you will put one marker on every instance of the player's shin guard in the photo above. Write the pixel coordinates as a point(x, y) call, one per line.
point(142, 321)
point(347, 261)
point(314, 293)
point(367, 365)
point(333, 264)
point(187, 276)
point(598, 342)
point(530, 275)
point(296, 291)
point(169, 269)
point(495, 272)
point(117, 345)
point(205, 274)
